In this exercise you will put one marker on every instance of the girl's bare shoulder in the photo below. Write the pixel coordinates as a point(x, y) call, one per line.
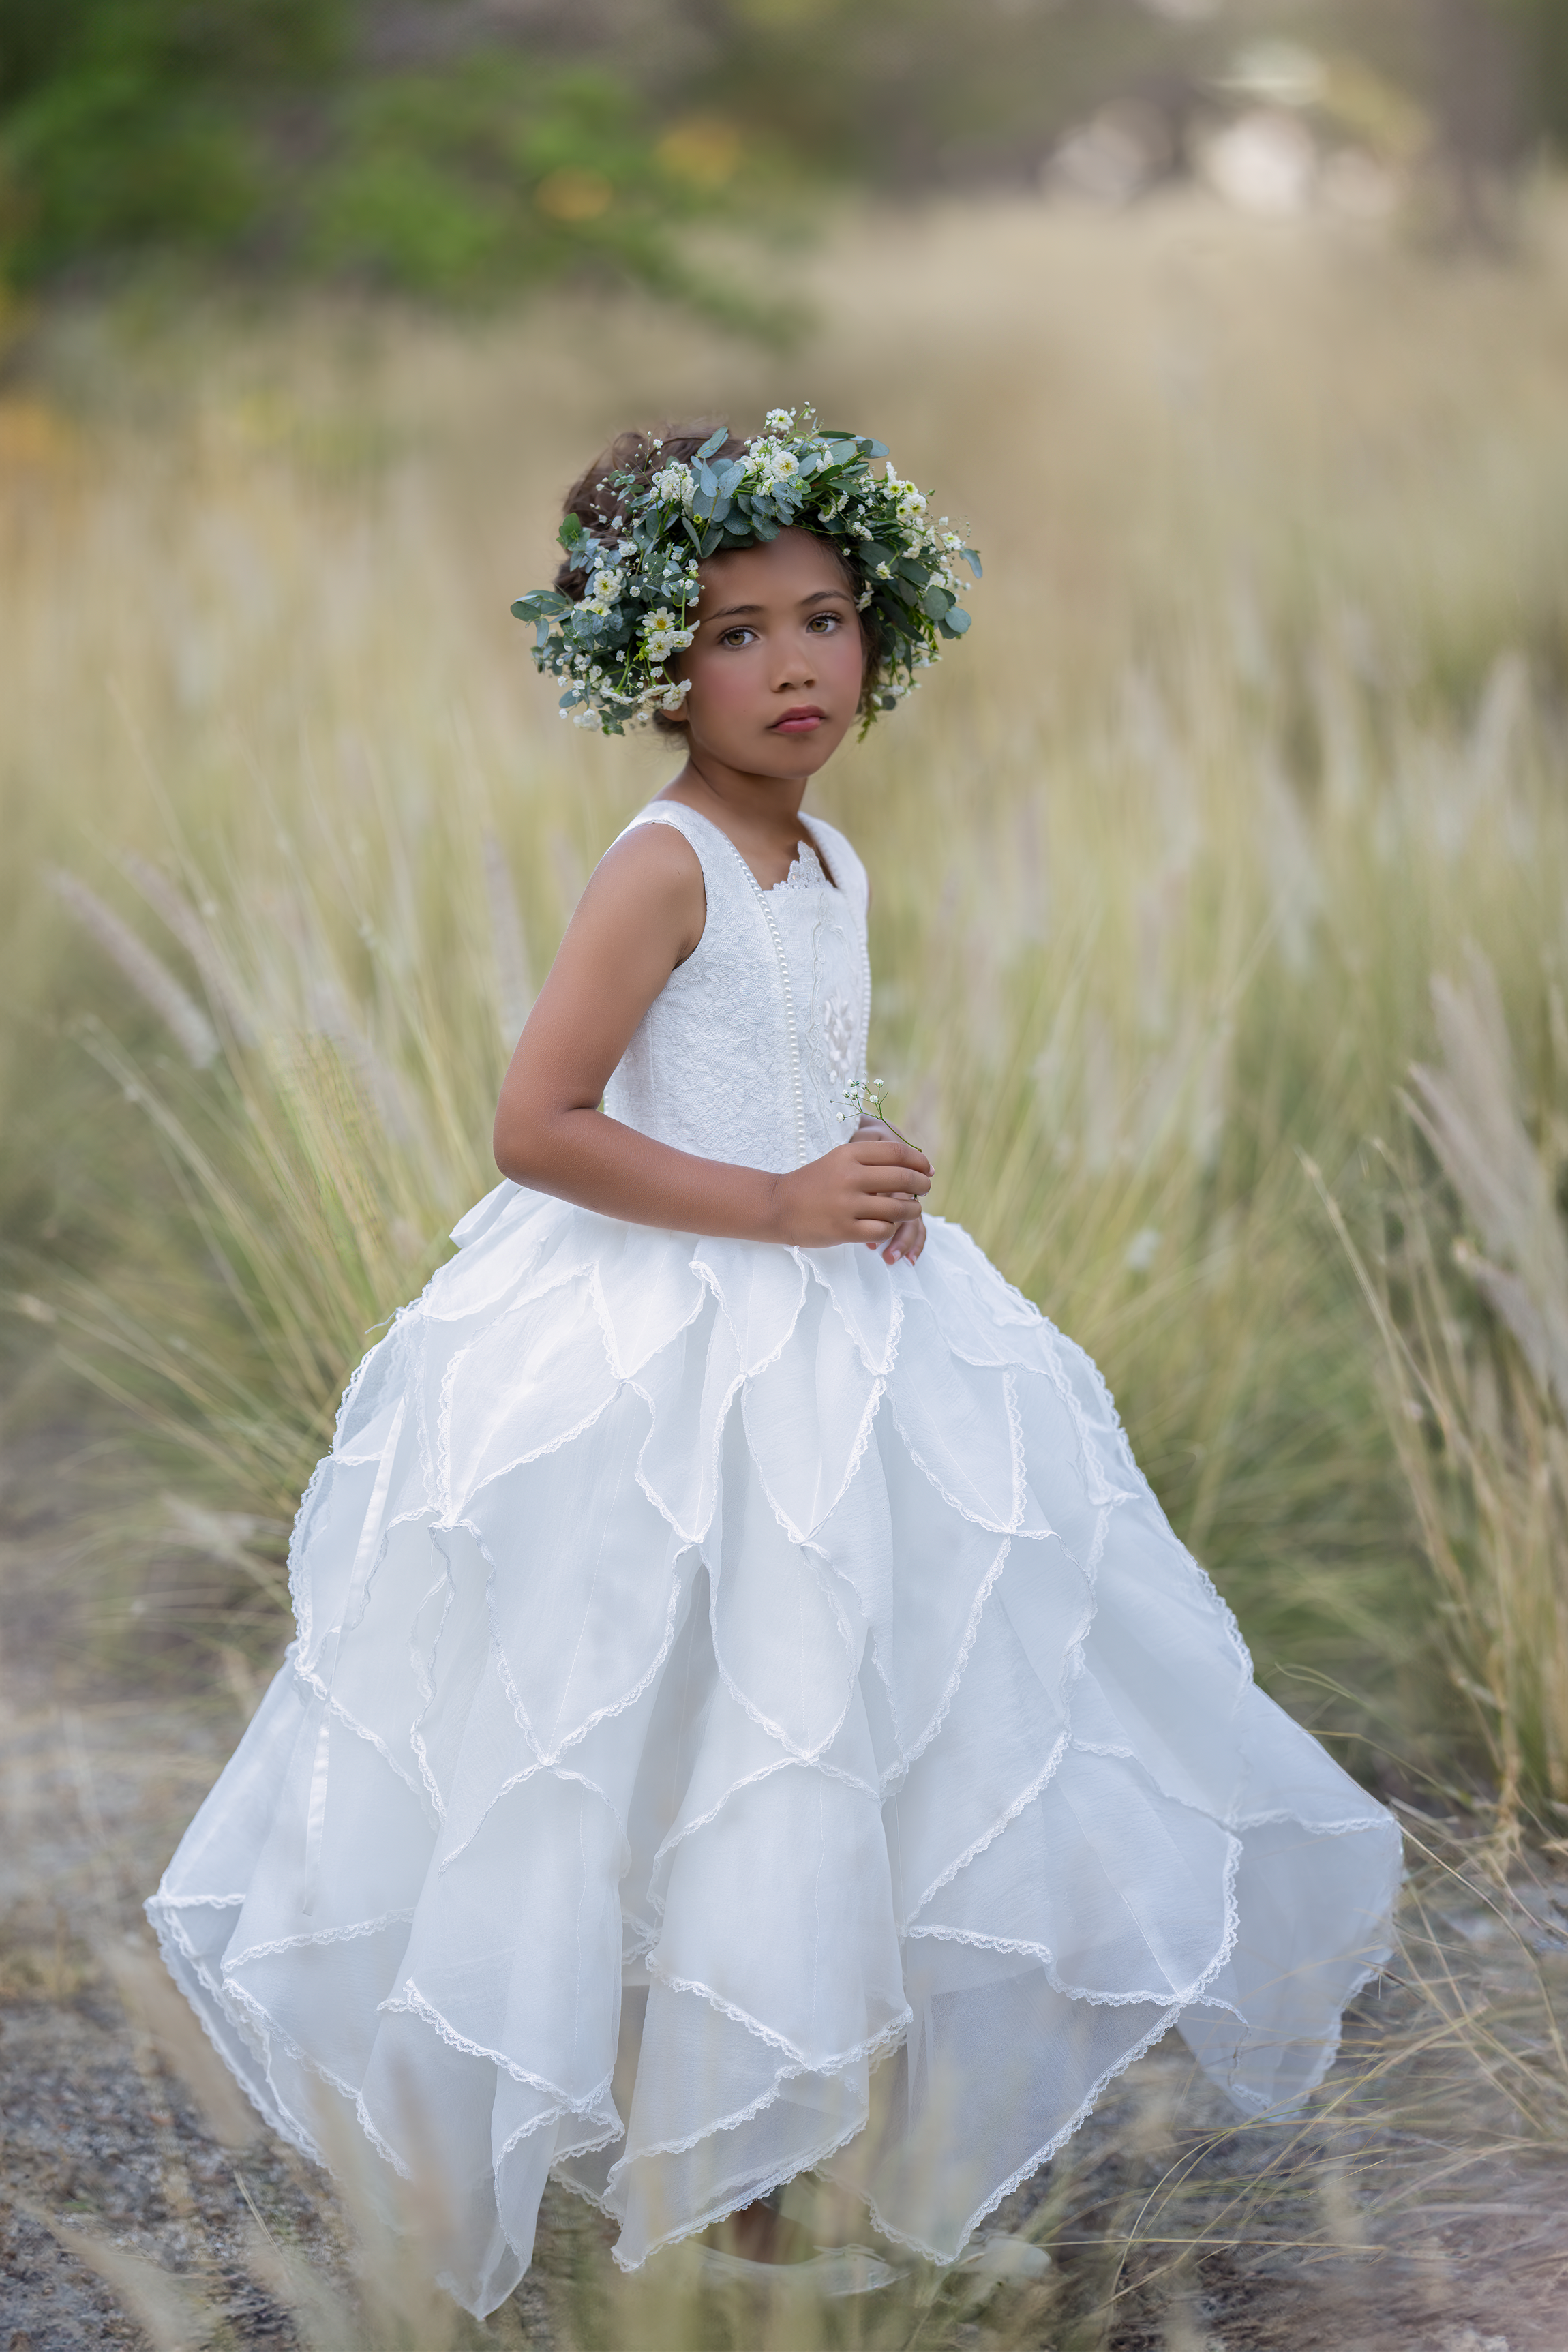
point(649, 881)
point(652, 857)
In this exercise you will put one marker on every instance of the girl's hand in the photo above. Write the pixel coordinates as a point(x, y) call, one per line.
point(868, 1190)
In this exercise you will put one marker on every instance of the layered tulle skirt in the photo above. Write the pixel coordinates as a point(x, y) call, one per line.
point(721, 1670)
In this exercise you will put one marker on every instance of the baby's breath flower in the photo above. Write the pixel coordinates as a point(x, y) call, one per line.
point(663, 635)
point(674, 484)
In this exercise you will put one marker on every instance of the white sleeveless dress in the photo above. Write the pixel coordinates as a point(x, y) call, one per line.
point(749, 1711)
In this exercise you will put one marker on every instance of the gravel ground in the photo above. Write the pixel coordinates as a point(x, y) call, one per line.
point(1417, 2216)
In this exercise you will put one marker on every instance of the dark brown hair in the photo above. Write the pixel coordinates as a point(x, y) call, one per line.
point(600, 506)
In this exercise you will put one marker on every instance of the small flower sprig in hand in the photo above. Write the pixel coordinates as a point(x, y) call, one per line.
point(868, 1095)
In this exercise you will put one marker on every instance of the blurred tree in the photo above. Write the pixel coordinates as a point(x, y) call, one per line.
point(413, 148)
point(129, 124)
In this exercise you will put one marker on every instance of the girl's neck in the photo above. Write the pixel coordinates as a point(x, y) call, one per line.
point(734, 801)
point(759, 816)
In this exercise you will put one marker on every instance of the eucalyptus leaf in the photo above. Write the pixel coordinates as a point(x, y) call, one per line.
point(715, 442)
point(936, 603)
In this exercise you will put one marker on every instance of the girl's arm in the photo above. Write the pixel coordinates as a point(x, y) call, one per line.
point(642, 914)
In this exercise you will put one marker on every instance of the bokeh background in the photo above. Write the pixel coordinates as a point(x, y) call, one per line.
point(1220, 921)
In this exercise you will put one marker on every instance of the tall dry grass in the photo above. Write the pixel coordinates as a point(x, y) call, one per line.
point(1257, 729)
point(1260, 728)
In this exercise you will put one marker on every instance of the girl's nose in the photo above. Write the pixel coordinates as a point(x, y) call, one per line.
point(797, 669)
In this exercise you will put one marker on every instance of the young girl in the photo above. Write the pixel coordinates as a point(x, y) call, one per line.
point(749, 1712)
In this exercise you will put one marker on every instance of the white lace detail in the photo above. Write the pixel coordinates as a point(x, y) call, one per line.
point(411, 2002)
point(806, 872)
point(746, 1053)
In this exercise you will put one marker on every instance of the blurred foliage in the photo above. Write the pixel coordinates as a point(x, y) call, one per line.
point(445, 147)
point(263, 133)
point(130, 124)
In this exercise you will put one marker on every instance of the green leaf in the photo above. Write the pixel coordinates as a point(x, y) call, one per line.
point(714, 443)
point(571, 529)
point(936, 603)
point(954, 623)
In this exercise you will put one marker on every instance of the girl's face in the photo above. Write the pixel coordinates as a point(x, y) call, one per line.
point(777, 661)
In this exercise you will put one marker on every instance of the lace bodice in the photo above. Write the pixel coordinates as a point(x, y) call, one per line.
point(746, 1053)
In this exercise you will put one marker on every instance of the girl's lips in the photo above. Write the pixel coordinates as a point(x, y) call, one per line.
point(798, 722)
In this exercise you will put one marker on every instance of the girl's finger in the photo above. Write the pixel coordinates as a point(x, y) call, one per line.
point(876, 1147)
point(906, 1243)
point(874, 1231)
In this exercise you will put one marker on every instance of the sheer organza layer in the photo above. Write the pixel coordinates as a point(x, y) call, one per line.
point(720, 1669)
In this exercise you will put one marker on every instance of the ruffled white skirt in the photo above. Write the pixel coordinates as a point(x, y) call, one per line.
point(720, 1667)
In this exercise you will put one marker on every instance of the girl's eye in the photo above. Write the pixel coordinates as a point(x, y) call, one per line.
point(823, 623)
point(736, 636)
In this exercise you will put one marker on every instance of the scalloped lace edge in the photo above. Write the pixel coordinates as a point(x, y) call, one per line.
point(801, 2063)
point(409, 2001)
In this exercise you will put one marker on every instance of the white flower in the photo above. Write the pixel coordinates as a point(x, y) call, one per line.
point(674, 482)
point(769, 464)
point(663, 635)
point(779, 421)
point(883, 573)
point(603, 594)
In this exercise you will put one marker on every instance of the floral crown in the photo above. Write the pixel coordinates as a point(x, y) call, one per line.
point(610, 649)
